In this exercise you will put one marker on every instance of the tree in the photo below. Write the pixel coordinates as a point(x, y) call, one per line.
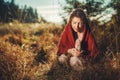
point(92, 7)
point(10, 12)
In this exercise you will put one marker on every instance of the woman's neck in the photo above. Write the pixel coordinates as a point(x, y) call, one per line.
point(80, 36)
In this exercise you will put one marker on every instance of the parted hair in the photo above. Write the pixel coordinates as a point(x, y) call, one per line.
point(78, 12)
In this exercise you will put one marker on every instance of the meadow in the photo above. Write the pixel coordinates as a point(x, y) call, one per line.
point(28, 52)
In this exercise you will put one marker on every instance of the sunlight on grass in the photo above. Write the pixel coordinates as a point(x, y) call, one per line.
point(28, 52)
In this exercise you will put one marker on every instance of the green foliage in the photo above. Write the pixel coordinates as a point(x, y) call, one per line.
point(91, 7)
point(10, 11)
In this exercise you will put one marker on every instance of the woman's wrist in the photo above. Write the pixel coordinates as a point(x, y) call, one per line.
point(69, 51)
point(77, 54)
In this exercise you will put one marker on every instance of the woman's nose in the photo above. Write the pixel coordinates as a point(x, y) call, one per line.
point(77, 24)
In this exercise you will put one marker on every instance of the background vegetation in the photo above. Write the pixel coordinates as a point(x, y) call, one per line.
point(28, 47)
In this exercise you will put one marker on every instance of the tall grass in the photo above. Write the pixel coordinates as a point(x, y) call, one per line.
point(28, 52)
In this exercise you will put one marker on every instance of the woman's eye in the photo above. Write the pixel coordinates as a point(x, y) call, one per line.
point(74, 22)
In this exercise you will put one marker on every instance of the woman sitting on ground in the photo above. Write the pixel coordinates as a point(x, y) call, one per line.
point(77, 44)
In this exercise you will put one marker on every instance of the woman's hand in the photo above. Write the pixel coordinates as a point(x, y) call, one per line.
point(74, 52)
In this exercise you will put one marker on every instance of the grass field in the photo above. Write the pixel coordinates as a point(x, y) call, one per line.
point(28, 52)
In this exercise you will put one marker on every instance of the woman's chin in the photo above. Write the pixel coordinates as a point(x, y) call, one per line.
point(76, 30)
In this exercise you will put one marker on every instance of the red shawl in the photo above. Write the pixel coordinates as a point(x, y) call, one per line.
point(67, 41)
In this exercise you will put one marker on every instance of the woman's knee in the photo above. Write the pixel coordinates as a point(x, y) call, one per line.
point(76, 63)
point(63, 58)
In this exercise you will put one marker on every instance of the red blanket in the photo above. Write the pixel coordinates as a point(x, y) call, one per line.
point(67, 41)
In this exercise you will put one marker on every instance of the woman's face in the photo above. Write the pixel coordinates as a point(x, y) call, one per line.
point(76, 24)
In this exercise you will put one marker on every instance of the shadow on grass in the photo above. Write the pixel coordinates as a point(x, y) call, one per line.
point(99, 71)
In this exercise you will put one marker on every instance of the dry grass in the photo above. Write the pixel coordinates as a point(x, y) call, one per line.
point(28, 52)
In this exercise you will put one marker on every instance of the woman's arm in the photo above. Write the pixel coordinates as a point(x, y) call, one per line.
point(74, 52)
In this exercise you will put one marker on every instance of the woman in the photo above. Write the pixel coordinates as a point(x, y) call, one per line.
point(77, 43)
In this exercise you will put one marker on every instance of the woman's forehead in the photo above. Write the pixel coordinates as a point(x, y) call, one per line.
point(76, 19)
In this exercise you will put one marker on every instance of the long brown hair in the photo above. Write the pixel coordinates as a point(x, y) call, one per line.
point(80, 14)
